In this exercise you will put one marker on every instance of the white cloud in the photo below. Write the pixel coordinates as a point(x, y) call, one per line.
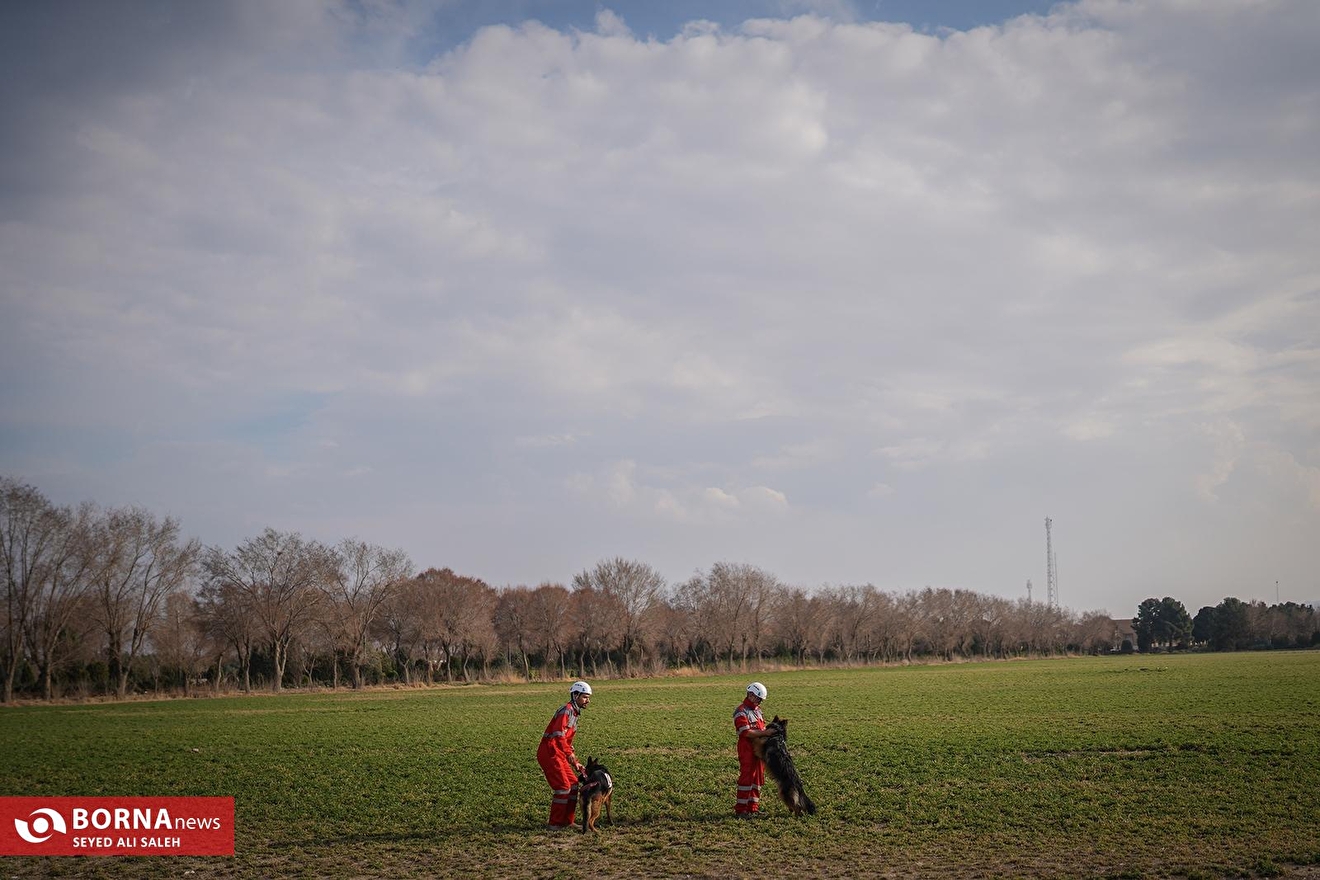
point(1089, 428)
point(720, 498)
point(912, 454)
point(610, 24)
point(620, 483)
point(546, 441)
point(798, 455)
point(1228, 441)
point(1292, 476)
point(650, 493)
point(766, 498)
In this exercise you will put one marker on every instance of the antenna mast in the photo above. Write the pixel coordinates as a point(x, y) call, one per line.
point(1051, 569)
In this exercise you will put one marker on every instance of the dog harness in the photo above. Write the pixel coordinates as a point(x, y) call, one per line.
point(605, 784)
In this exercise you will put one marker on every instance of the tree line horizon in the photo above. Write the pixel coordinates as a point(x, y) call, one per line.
point(107, 601)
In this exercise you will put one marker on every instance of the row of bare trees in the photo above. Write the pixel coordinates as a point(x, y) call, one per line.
point(120, 592)
point(85, 586)
point(77, 574)
point(738, 615)
point(616, 618)
point(286, 596)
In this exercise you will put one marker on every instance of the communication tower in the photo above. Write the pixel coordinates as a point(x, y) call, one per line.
point(1028, 591)
point(1051, 569)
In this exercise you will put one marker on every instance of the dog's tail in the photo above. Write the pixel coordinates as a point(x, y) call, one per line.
point(807, 805)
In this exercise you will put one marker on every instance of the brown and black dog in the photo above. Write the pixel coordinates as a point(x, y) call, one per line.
point(596, 788)
point(773, 750)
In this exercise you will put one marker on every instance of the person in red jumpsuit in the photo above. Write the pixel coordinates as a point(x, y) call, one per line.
point(557, 760)
point(749, 724)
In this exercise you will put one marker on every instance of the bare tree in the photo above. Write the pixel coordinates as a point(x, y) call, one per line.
point(455, 612)
point(939, 622)
point(29, 526)
point(854, 609)
point(696, 601)
point(230, 622)
point(1096, 632)
point(425, 607)
point(513, 623)
point(1291, 624)
point(180, 639)
point(62, 613)
point(674, 631)
point(551, 622)
point(881, 636)
point(726, 609)
point(143, 562)
point(993, 626)
point(279, 576)
point(636, 587)
point(315, 642)
point(1040, 627)
point(481, 643)
point(361, 578)
point(597, 621)
point(966, 612)
point(761, 593)
point(798, 621)
point(741, 595)
point(910, 623)
point(398, 626)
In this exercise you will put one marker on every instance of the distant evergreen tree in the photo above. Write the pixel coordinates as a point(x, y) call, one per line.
point(1175, 624)
point(1232, 626)
point(1203, 625)
point(1145, 624)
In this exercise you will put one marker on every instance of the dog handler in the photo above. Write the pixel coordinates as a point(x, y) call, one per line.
point(749, 724)
point(555, 755)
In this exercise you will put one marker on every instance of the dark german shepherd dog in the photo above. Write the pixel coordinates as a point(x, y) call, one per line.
point(595, 788)
point(773, 750)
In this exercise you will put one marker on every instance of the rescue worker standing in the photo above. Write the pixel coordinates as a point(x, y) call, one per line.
point(557, 760)
point(749, 724)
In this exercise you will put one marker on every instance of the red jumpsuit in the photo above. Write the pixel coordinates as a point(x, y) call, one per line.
point(555, 755)
point(751, 772)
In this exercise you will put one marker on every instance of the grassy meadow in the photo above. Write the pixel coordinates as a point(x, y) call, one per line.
point(1162, 766)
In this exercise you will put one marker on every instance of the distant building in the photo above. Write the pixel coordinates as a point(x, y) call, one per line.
point(1123, 632)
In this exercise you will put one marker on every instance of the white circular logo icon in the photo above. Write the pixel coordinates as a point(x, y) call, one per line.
point(45, 822)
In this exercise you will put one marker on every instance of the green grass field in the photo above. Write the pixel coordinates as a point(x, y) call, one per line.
point(1177, 766)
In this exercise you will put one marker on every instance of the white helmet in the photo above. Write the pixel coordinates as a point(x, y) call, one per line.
point(757, 690)
point(579, 687)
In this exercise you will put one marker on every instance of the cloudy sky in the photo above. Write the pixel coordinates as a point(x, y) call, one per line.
point(852, 291)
